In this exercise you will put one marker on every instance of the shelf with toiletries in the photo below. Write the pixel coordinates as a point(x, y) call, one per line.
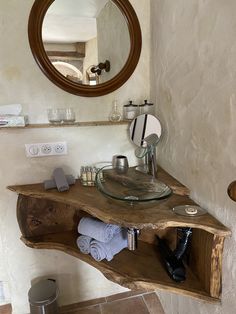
point(49, 220)
point(65, 125)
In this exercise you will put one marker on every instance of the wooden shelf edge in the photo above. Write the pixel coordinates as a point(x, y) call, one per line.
point(64, 125)
point(161, 223)
point(116, 275)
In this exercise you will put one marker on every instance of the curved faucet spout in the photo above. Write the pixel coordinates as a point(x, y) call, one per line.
point(151, 143)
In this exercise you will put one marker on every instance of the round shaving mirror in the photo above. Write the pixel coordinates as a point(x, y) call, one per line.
point(145, 130)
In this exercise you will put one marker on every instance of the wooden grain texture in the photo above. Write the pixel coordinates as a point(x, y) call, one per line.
point(216, 266)
point(41, 216)
point(146, 273)
point(200, 256)
point(151, 215)
point(49, 219)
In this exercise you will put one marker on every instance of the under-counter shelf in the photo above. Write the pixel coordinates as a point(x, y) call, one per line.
point(139, 269)
point(49, 219)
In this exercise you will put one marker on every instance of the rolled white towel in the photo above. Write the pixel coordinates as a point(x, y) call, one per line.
point(97, 229)
point(100, 250)
point(83, 243)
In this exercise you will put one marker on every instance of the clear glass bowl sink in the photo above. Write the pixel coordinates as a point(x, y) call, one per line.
point(130, 185)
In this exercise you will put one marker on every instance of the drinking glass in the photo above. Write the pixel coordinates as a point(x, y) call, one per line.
point(55, 116)
point(68, 115)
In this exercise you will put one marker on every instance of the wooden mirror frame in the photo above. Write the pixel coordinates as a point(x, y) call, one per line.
point(232, 191)
point(36, 18)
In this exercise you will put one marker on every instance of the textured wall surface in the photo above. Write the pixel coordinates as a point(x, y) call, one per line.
point(21, 81)
point(193, 84)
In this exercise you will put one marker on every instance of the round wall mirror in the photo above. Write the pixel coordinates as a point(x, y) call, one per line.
point(88, 48)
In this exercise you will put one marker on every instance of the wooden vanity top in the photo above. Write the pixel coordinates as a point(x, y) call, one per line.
point(49, 220)
point(150, 215)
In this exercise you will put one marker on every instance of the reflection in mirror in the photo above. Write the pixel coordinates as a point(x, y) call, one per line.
point(142, 127)
point(79, 35)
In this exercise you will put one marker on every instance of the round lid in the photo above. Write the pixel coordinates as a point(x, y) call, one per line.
point(43, 292)
point(146, 103)
point(130, 104)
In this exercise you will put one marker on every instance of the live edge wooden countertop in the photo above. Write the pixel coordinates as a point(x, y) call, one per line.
point(150, 215)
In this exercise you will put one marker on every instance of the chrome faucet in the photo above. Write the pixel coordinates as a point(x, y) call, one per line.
point(148, 151)
point(152, 141)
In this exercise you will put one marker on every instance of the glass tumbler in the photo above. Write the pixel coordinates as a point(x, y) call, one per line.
point(54, 116)
point(68, 116)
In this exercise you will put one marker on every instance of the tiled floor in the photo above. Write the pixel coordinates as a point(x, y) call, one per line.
point(122, 303)
point(132, 302)
point(5, 309)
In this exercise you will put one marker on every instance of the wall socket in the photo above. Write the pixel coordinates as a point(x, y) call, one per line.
point(2, 296)
point(46, 149)
point(4, 293)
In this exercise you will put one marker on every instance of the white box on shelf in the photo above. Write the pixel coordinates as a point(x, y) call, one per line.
point(13, 121)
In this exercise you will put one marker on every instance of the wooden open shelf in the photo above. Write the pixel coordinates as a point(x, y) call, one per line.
point(146, 273)
point(65, 125)
point(49, 220)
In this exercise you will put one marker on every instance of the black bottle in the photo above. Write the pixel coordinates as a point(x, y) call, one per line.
point(173, 265)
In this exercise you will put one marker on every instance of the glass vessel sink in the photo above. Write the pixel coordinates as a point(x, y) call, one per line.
point(130, 185)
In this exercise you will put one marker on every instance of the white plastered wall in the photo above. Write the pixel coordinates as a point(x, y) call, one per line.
point(193, 83)
point(21, 81)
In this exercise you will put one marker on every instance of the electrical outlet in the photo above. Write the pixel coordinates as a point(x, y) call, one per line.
point(4, 293)
point(59, 148)
point(46, 149)
point(2, 296)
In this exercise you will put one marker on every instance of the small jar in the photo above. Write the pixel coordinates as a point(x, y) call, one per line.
point(147, 108)
point(130, 111)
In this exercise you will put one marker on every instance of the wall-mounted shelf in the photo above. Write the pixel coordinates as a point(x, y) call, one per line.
point(49, 219)
point(64, 125)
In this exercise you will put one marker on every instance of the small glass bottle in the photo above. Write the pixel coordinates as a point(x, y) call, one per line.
point(115, 115)
point(130, 111)
point(83, 175)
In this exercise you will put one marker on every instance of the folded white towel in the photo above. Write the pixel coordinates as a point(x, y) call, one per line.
point(100, 250)
point(83, 243)
point(97, 229)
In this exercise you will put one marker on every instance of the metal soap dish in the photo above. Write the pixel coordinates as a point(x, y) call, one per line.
point(189, 210)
